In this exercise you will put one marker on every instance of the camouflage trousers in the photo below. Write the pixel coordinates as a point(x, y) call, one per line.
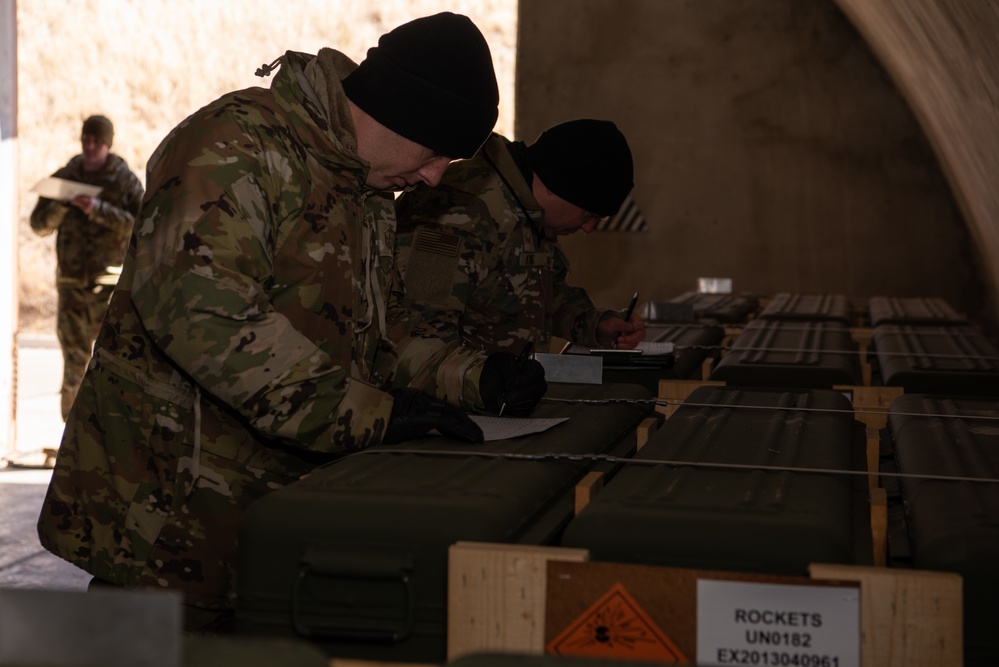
point(78, 321)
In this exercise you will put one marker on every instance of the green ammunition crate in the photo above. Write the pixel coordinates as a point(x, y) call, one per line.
point(728, 495)
point(354, 556)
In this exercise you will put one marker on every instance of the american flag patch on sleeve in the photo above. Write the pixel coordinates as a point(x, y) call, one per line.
point(438, 241)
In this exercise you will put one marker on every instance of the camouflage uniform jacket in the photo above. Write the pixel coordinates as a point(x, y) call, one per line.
point(87, 245)
point(475, 264)
point(238, 349)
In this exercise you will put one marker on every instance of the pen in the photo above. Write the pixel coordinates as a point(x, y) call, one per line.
point(525, 354)
point(628, 313)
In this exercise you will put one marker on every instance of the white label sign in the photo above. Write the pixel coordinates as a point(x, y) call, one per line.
point(740, 623)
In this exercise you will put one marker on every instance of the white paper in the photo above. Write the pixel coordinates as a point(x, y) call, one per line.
point(777, 624)
point(653, 347)
point(63, 190)
point(646, 347)
point(500, 428)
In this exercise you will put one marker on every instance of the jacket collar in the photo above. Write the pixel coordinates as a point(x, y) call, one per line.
point(497, 153)
point(308, 87)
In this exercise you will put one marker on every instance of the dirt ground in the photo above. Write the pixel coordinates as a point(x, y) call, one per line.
point(147, 64)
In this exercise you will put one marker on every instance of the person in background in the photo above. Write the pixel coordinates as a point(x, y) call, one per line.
point(479, 253)
point(240, 345)
point(91, 238)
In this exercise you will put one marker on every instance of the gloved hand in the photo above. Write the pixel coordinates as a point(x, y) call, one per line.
point(415, 413)
point(520, 383)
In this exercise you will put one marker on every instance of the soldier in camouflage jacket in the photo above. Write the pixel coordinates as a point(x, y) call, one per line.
point(91, 238)
point(240, 347)
point(479, 254)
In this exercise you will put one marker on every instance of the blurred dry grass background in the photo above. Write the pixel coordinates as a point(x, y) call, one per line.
point(148, 64)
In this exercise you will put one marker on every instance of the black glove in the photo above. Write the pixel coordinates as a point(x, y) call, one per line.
point(415, 413)
point(519, 383)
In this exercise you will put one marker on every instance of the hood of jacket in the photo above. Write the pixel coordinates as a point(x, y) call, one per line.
point(309, 87)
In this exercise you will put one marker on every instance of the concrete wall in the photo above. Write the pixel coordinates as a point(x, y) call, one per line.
point(771, 147)
point(944, 57)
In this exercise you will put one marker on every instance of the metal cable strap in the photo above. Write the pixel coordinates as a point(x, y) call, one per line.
point(596, 458)
point(928, 355)
point(667, 402)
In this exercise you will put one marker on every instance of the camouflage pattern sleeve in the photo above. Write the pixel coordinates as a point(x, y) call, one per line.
point(445, 370)
point(47, 215)
point(443, 233)
point(205, 282)
point(575, 317)
point(117, 210)
point(427, 355)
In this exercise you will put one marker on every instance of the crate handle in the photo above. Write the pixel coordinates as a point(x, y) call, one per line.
point(307, 566)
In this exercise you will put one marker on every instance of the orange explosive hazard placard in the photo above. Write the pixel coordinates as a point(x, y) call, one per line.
point(615, 626)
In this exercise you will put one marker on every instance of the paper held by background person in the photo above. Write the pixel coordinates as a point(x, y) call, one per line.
point(63, 190)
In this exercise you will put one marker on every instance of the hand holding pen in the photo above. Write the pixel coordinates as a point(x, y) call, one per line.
point(638, 327)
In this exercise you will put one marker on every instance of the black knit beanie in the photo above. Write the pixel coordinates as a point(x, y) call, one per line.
point(585, 162)
point(100, 127)
point(430, 80)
